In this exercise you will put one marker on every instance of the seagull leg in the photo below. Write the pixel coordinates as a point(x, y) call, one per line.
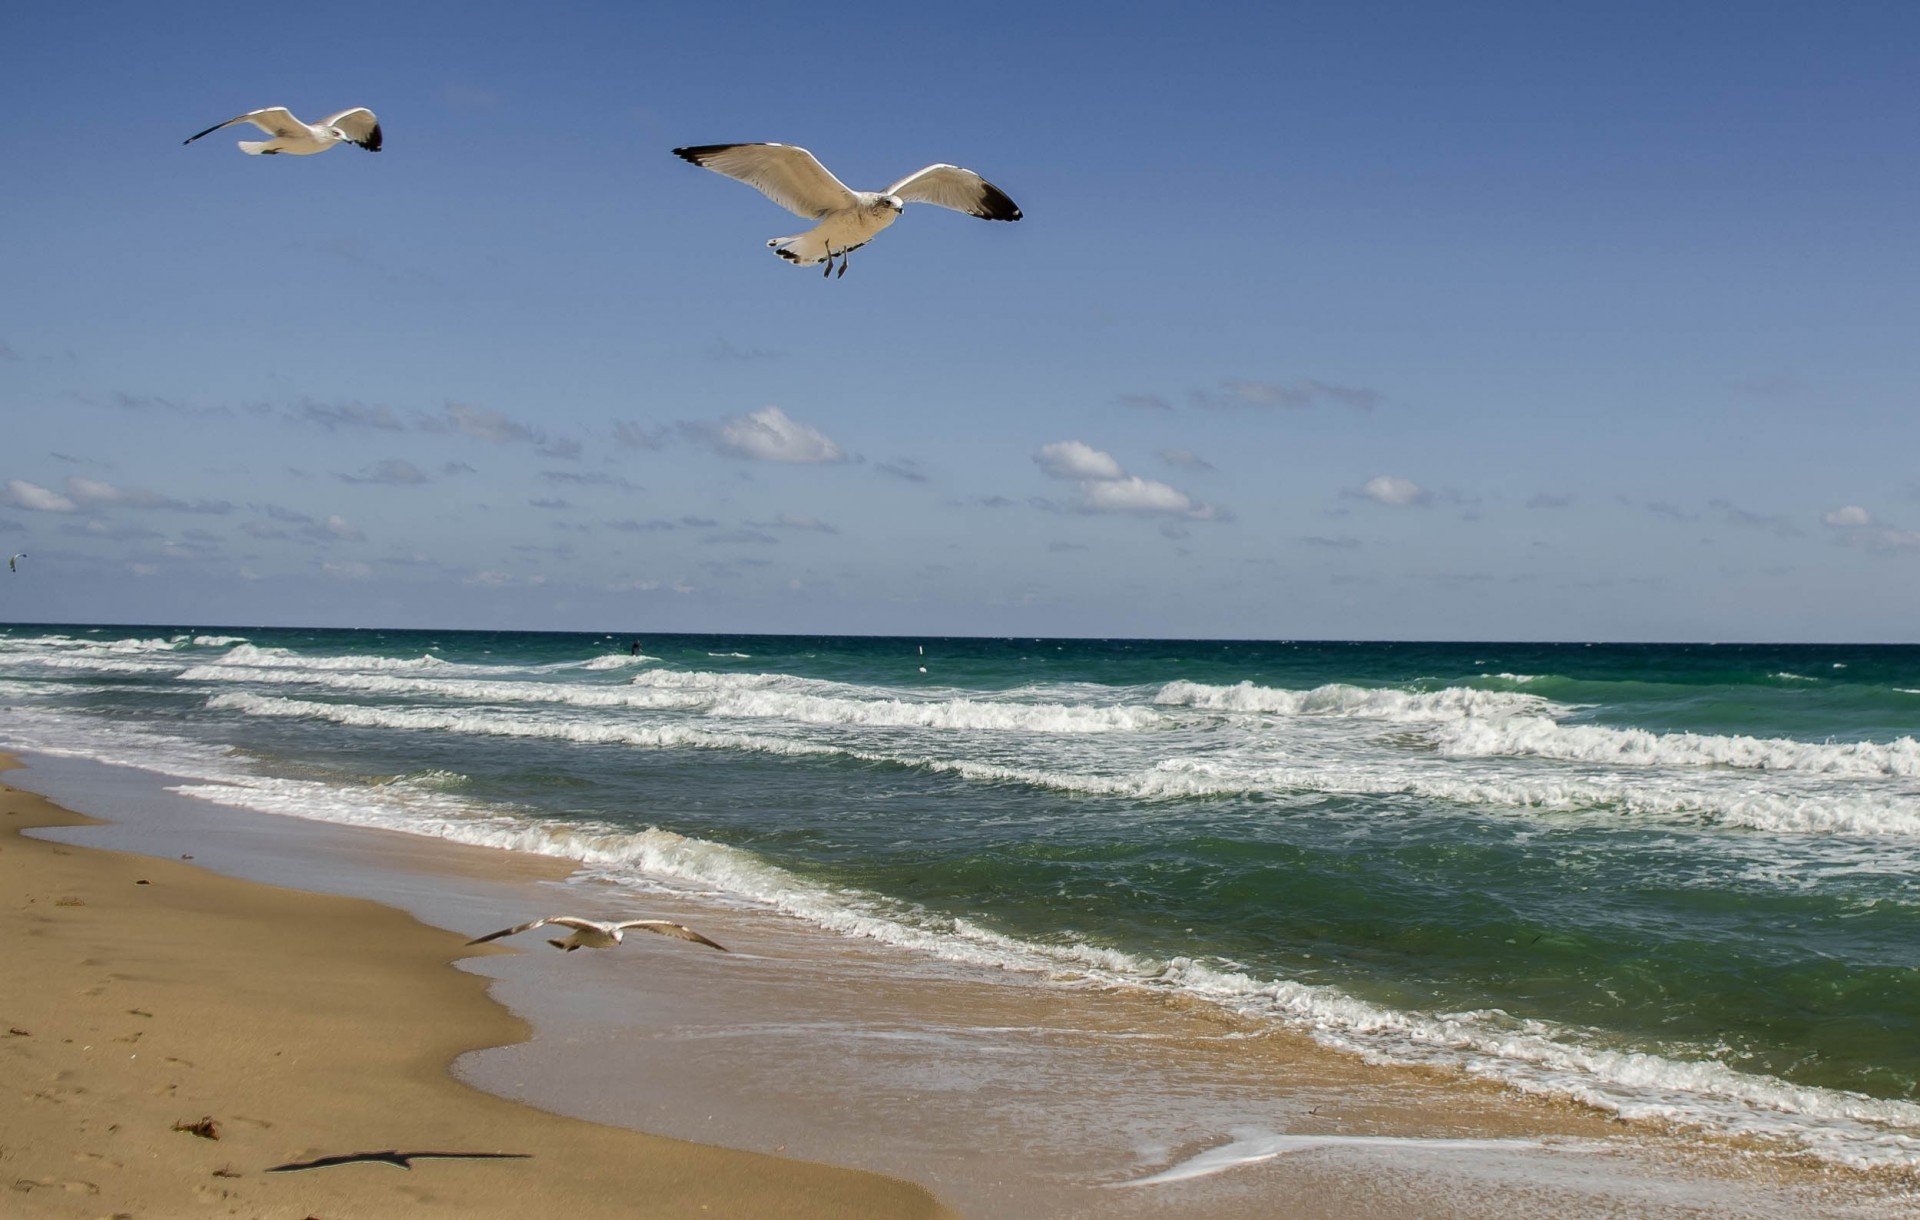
point(829, 267)
point(843, 264)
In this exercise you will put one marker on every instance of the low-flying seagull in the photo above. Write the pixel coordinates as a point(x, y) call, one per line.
point(290, 135)
point(600, 934)
point(849, 219)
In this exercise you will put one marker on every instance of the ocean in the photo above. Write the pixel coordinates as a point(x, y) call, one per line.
point(1673, 882)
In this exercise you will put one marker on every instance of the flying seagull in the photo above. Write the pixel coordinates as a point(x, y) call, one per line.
point(849, 219)
point(290, 135)
point(598, 934)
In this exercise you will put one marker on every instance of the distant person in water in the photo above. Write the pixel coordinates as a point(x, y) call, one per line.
point(635, 650)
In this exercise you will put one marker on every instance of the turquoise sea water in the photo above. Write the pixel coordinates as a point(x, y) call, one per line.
point(1668, 880)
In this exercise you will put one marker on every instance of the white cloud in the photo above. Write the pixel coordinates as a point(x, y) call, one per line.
point(769, 435)
point(1859, 528)
point(1074, 460)
point(343, 529)
point(1133, 494)
point(32, 496)
point(1106, 487)
point(92, 493)
point(347, 569)
point(1394, 490)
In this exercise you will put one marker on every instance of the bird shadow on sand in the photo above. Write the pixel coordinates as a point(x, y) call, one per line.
point(404, 1160)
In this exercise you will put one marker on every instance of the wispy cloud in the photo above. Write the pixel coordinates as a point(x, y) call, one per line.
point(767, 435)
point(496, 427)
point(590, 478)
point(1774, 524)
point(334, 416)
point(1858, 527)
point(902, 468)
point(743, 535)
point(1185, 459)
point(1396, 492)
point(392, 472)
point(38, 499)
point(631, 435)
point(802, 521)
point(83, 493)
point(1304, 392)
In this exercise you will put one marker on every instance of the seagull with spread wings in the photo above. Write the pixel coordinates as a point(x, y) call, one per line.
point(849, 219)
point(290, 135)
point(599, 934)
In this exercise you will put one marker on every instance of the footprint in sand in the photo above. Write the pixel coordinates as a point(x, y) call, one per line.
point(27, 1186)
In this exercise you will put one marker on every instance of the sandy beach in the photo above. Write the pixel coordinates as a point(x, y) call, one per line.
point(175, 1042)
point(151, 993)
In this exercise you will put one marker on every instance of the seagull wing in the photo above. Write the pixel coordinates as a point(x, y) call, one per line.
point(276, 121)
point(666, 927)
point(784, 173)
point(360, 125)
point(949, 186)
point(513, 931)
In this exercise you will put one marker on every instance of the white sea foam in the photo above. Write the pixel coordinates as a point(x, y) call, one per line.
point(96, 663)
point(745, 701)
point(1786, 805)
point(582, 730)
point(620, 660)
point(1530, 1055)
point(1339, 699)
point(952, 714)
point(1248, 1147)
point(1540, 737)
point(257, 657)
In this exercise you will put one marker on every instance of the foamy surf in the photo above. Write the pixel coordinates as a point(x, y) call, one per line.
point(1332, 839)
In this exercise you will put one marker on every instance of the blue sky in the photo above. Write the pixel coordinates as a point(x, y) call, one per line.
point(1353, 321)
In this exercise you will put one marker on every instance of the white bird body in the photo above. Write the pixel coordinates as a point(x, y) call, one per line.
point(848, 219)
point(598, 933)
point(290, 135)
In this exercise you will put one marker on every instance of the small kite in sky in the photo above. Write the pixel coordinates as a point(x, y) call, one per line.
point(290, 135)
point(13, 563)
point(849, 219)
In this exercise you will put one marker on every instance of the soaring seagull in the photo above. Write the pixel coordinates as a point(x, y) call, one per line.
point(290, 135)
point(599, 934)
point(849, 219)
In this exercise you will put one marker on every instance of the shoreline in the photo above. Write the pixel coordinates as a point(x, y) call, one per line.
point(144, 995)
point(1010, 1098)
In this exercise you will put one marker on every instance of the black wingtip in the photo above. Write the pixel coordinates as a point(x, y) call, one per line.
point(372, 142)
point(995, 204)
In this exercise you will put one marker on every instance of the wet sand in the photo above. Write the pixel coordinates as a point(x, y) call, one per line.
point(1011, 1098)
point(175, 1043)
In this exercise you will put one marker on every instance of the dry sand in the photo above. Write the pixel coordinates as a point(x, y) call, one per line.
point(147, 1006)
